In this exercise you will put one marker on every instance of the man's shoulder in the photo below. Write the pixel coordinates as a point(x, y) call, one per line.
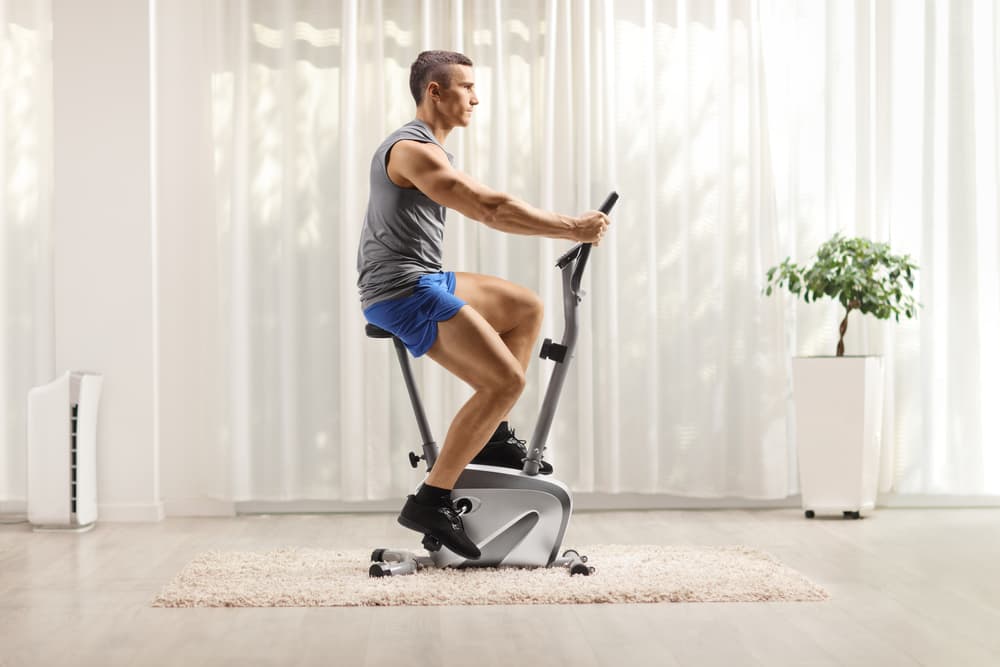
point(408, 157)
point(414, 130)
point(417, 154)
point(407, 134)
point(419, 148)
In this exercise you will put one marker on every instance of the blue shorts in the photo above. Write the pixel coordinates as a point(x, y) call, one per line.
point(413, 319)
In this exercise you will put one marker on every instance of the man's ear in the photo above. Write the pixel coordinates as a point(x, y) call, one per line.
point(434, 90)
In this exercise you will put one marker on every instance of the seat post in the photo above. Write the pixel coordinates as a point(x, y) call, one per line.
point(430, 447)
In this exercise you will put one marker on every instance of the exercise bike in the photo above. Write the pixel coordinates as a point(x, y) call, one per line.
point(517, 518)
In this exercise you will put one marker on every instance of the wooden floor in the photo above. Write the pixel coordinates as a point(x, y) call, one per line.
point(909, 587)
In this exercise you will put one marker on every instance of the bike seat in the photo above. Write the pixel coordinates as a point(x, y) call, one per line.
point(373, 331)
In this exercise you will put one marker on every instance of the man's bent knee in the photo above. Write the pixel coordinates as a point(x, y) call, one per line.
point(505, 385)
point(536, 307)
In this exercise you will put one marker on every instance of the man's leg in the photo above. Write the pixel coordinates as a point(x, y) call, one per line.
point(514, 312)
point(487, 343)
point(470, 348)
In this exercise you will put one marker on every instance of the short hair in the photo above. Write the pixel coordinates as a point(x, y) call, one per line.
point(433, 66)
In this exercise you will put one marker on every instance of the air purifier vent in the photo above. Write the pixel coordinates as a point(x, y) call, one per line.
point(62, 452)
point(72, 438)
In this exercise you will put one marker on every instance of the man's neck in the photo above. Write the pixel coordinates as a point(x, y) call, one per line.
point(439, 129)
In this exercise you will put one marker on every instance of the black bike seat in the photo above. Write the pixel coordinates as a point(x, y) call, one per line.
point(373, 331)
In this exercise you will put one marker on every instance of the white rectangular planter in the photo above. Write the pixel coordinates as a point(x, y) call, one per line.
point(838, 426)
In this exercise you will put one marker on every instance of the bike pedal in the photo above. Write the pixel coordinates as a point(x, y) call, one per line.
point(431, 543)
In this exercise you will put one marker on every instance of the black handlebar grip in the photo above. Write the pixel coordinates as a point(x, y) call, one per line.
point(609, 203)
point(581, 262)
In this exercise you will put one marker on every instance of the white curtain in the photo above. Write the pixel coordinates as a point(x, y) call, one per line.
point(26, 323)
point(680, 382)
point(738, 132)
point(884, 124)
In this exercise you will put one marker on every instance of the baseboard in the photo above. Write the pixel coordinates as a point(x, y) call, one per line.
point(597, 502)
point(125, 513)
point(317, 506)
point(584, 502)
point(199, 507)
point(13, 512)
point(928, 501)
point(130, 512)
point(13, 507)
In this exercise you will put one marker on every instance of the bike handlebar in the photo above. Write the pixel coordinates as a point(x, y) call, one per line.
point(583, 249)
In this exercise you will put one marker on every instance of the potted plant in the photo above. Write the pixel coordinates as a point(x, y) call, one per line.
point(838, 399)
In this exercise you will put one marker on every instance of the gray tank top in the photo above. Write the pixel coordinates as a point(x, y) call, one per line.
point(403, 232)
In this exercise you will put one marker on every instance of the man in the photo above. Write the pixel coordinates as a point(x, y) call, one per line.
point(481, 328)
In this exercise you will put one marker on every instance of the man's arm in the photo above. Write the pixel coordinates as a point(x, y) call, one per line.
point(426, 167)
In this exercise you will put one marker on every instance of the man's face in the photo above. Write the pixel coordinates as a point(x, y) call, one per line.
point(459, 98)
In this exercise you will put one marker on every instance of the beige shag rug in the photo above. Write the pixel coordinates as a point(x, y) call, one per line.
point(298, 577)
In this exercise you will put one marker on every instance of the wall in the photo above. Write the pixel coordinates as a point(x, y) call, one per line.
point(133, 158)
point(194, 467)
point(104, 305)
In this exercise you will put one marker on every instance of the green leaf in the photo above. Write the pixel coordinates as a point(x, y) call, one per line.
point(856, 272)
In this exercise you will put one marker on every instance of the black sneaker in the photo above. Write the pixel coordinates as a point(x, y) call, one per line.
point(507, 452)
point(441, 522)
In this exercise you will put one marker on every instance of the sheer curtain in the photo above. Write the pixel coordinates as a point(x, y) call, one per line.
point(884, 123)
point(738, 132)
point(680, 383)
point(25, 226)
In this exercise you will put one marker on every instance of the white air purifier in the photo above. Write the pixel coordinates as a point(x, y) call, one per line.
point(62, 453)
